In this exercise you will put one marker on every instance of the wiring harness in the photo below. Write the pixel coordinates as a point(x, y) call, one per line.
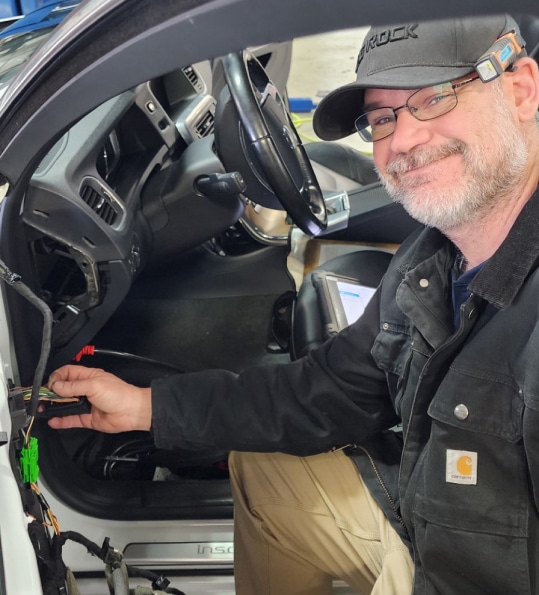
point(117, 571)
point(25, 403)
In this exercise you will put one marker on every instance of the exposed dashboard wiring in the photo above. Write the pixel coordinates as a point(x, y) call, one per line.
point(14, 281)
point(114, 564)
point(44, 395)
point(53, 521)
point(49, 550)
point(92, 350)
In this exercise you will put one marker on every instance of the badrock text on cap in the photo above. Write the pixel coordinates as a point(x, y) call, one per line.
point(384, 37)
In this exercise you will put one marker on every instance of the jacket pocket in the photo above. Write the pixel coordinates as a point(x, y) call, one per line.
point(471, 507)
point(474, 473)
point(457, 562)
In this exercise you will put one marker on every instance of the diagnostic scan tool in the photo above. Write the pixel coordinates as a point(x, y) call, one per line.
point(342, 300)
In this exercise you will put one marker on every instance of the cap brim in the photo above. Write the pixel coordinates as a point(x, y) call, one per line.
point(335, 115)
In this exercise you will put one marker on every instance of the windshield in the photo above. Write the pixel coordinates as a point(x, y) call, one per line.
point(16, 50)
point(19, 41)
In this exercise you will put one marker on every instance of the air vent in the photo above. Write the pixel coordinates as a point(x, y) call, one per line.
point(205, 126)
point(193, 78)
point(99, 203)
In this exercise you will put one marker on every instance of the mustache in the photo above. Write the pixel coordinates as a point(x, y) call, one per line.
point(422, 156)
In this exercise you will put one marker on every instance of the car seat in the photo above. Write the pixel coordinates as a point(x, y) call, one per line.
point(367, 266)
point(340, 167)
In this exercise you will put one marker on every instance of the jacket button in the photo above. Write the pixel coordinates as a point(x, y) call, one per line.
point(461, 412)
point(423, 283)
point(385, 326)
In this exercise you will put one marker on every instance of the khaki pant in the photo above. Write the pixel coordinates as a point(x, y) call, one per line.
point(302, 521)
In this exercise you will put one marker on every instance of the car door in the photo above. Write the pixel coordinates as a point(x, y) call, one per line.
point(93, 62)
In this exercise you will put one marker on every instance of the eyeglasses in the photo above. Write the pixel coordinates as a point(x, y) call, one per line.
point(425, 104)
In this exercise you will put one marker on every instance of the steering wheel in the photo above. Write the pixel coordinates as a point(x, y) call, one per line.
point(275, 164)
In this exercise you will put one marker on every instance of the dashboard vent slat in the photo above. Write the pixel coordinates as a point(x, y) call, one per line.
point(193, 78)
point(99, 204)
point(206, 125)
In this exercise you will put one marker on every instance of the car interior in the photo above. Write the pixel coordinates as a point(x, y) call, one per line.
point(166, 236)
point(162, 274)
point(168, 269)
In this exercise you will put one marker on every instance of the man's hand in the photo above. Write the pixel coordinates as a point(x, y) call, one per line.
point(116, 405)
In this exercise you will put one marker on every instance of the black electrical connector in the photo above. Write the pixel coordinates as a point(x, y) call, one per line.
point(160, 583)
point(109, 555)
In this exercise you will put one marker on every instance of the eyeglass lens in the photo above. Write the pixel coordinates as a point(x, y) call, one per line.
point(425, 104)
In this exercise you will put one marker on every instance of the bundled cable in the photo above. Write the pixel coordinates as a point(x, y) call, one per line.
point(92, 350)
point(116, 569)
point(55, 574)
point(14, 281)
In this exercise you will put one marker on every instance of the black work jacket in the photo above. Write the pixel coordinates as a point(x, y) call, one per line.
point(461, 481)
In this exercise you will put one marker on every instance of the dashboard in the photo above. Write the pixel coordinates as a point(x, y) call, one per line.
point(117, 193)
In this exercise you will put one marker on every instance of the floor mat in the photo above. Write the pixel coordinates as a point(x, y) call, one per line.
point(194, 334)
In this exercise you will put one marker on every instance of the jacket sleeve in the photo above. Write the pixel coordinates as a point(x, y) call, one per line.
point(333, 397)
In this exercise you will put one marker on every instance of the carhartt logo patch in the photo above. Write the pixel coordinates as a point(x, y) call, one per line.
point(461, 467)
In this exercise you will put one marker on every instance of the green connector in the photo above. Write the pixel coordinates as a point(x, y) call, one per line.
point(28, 462)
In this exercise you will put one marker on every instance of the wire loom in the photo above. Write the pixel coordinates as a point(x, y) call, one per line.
point(55, 577)
point(58, 580)
point(117, 572)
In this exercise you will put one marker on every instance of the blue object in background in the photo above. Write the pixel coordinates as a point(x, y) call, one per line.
point(15, 8)
point(301, 104)
point(46, 16)
point(21, 36)
point(26, 6)
point(9, 9)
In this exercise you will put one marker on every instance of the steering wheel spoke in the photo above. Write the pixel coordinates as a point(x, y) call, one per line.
point(272, 150)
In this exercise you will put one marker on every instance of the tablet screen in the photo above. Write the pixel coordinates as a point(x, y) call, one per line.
point(342, 300)
point(354, 297)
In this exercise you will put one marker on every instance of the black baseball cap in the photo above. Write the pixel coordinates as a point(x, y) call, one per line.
point(409, 56)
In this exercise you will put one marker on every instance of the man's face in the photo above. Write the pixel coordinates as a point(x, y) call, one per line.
point(455, 168)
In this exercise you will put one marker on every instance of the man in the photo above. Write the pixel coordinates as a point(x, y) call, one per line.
point(448, 347)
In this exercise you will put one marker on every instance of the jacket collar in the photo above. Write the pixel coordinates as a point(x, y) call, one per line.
point(503, 275)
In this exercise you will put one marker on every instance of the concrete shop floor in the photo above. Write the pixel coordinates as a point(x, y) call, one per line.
point(321, 63)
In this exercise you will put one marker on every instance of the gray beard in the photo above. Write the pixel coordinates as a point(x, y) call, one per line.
point(491, 172)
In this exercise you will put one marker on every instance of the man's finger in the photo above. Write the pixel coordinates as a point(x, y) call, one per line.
point(71, 421)
point(71, 372)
